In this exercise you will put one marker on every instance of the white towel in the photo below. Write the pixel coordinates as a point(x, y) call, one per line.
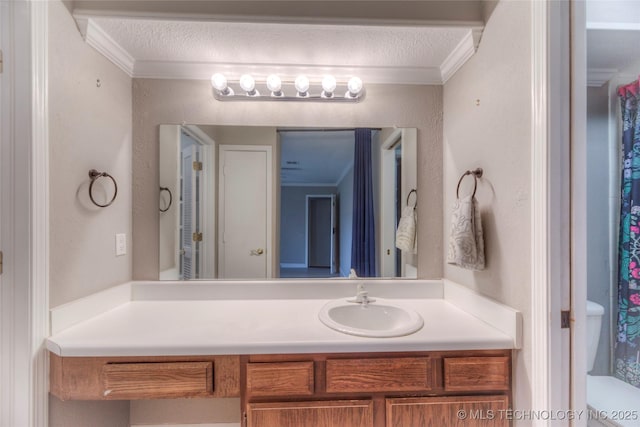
point(406, 233)
point(466, 244)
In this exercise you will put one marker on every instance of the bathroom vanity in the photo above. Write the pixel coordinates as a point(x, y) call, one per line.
point(144, 341)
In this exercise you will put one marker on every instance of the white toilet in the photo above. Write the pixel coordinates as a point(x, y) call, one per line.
point(606, 395)
point(594, 324)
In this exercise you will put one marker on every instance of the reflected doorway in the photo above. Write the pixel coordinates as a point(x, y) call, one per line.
point(321, 234)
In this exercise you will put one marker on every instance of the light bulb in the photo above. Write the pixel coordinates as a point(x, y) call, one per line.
point(274, 84)
point(354, 87)
point(219, 82)
point(302, 85)
point(328, 86)
point(248, 84)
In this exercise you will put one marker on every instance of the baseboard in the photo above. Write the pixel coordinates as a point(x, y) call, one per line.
point(292, 265)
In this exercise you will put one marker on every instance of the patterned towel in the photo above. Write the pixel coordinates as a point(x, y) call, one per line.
point(406, 233)
point(466, 244)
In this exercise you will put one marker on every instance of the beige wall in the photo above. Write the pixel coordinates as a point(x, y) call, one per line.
point(158, 102)
point(185, 412)
point(89, 127)
point(80, 413)
point(487, 123)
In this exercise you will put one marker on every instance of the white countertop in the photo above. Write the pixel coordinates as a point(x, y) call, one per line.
point(153, 325)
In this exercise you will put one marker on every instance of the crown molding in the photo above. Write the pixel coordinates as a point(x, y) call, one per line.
point(596, 77)
point(288, 72)
point(97, 38)
point(461, 54)
point(213, 11)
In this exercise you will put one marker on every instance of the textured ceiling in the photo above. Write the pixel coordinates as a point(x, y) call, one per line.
point(613, 11)
point(171, 47)
point(321, 157)
point(612, 49)
point(263, 43)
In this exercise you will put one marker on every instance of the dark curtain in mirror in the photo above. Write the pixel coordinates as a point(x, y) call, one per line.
point(363, 242)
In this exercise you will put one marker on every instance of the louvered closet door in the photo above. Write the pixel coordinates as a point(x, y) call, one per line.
point(190, 198)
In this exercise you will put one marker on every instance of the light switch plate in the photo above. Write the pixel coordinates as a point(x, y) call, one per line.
point(121, 244)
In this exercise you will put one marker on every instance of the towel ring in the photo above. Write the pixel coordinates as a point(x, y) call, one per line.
point(170, 198)
point(95, 175)
point(477, 173)
point(415, 203)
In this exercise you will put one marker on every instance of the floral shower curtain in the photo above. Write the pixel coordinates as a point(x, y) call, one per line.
point(627, 350)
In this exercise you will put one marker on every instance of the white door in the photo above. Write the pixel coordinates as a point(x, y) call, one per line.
point(388, 201)
point(245, 209)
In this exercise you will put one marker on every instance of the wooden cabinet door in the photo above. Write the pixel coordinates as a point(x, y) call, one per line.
point(459, 411)
point(342, 413)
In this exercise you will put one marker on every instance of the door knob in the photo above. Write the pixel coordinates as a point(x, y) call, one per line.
point(258, 251)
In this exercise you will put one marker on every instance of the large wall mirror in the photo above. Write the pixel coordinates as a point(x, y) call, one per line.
point(257, 202)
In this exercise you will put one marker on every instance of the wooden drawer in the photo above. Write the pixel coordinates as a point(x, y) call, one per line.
point(280, 379)
point(157, 380)
point(378, 375)
point(337, 413)
point(476, 374)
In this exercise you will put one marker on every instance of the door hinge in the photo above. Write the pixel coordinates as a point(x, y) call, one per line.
point(197, 166)
point(197, 237)
point(1, 62)
point(565, 319)
point(0, 262)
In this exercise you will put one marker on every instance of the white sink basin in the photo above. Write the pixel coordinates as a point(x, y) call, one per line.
point(378, 319)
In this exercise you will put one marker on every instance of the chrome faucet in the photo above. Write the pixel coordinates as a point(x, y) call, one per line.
point(362, 296)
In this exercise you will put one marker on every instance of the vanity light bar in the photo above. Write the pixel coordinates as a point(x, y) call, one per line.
point(274, 89)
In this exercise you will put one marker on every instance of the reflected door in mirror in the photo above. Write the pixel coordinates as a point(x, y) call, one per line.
point(245, 211)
